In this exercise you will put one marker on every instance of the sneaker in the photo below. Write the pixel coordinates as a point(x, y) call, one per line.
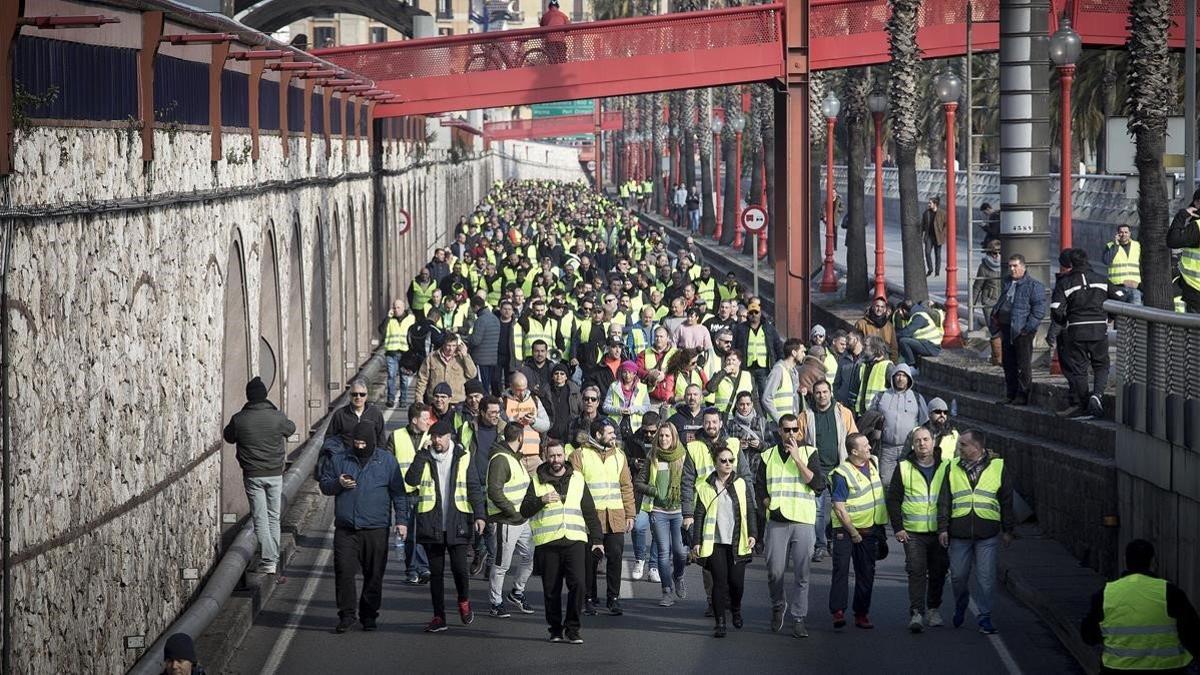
point(1095, 406)
point(737, 619)
point(799, 630)
point(933, 617)
point(518, 601)
point(614, 607)
point(574, 637)
point(818, 554)
point(680, 587)
point(499, 612)
point(777, 618)
point(839, 619)
point(667, 600)
point(863, 621)
point(916, 624)
point(653, 576)
point(960, 615)
point(986, 627)
point(437, 625)
point(556, 636)
point(465, 613)
point(639, 569)
point(477, 564)
point(708, 611)
point(344, 624)
point(412, 579)
point(423, 579)
point(589, 607)
point(370, 625)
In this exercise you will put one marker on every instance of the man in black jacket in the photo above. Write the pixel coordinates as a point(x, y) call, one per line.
point(1185, 234)
point(359, 409)
point(1078, 305)
point(260, 432)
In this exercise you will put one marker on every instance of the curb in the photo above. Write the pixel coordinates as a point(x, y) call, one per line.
point(1065, 629)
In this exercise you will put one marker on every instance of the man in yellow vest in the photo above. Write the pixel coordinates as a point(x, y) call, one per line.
point(918, 332)
point(450, 511)
point(507, 483)
point(975, 515)
point(404, 443)
point(395, 344)
point(1123, 257)
point(912, 507)
point(781, 390)
point(1145, 623)
point(942, 428)
point(1185, 234)
point(859, 513)
point(420, 292)
point(787, 482)
point(522, 408)
point(562, 518)
point(605, 471)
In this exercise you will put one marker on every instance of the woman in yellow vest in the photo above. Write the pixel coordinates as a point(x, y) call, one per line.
point(659, 482)
point(627, 399)
point(723, 535)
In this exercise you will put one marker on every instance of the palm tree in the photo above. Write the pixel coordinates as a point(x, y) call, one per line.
point(731, 101)
point(752, 142)
point(703, 97)
point(904, 98)
point(855, 88)
point(1151, 83)
point(768, 148)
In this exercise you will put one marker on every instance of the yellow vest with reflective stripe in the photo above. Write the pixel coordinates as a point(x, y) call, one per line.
point(524, 338)
point(698, 451)
point(683, 380)
point(831, 366)
point(1138, 632)
point(427, 490)
point(982, 499)
point(603, 478)
point(865, 504)
point(784, 398)
point(756, 348)
point(930, 332)
point(396, 337)
point(727, 292)
point(1125, 266)
point(707, 290)
point(562, 519)
point(405, 451)
point(615, 401)
point(728, 389)
point(919, 508)
point(870, 386)
point(640, 342)
point(514, 487)
point(1189, 264)
point(788, 491)
point(706, 495)
point(421, 294)
point(651, 357)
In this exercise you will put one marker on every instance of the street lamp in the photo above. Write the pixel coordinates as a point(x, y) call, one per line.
point(1065, 48)
point(949, 89)
point(877, 103)
point(737, 122)
point(718, 124)
point(829, 108)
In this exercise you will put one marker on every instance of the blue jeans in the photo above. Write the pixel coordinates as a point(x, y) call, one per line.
point(415, 560)
point(668, 539)
point(979, 554)
point(824, 509)
point(395, 379)
point(911, 348)
point(492, 379)
point(265, 495)
point(640, 534)
point(1133, 296)
point(694, 220)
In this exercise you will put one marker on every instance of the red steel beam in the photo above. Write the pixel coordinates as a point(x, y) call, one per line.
point(550, 127)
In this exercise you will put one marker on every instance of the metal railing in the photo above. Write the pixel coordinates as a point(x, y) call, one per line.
point(1158, 372)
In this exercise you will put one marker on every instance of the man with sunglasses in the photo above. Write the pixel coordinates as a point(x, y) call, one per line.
point(941, 428)
point(359, 409)
point(788, 482)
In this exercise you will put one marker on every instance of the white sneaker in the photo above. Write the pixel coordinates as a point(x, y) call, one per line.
point(653, 577)
point(915, 624)
point(639, 568)
point(933, 618)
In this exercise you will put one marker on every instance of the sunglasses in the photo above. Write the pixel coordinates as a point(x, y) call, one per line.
point(790, 430)
point(358, 394)
point(724, 461)
point(590, 398)
point(940, 412)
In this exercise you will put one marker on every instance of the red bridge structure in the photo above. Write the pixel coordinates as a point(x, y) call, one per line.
point(781, 42)
point(552, 127)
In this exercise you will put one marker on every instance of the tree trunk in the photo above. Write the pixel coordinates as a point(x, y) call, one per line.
point(1153, 217)
point(773, 219)
point(708, 220)
point(816, 207)
point(730, 206)
point(913, 252)
point(858, 287)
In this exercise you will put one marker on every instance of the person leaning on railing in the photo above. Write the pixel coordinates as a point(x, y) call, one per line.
point(1185, 234)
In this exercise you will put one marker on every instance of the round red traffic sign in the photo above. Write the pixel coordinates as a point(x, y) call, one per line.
point(754, 219)
point(403, 220)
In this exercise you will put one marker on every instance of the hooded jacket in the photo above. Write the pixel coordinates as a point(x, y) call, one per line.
point(260, 432)
point(902, 410)
point(532, 504)
point(498, 473)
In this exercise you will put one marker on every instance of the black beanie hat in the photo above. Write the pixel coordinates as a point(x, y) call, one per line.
point(255, 391)
point(442, 428)
point(179, 646)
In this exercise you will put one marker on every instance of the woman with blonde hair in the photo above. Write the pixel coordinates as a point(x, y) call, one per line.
point(658, 482)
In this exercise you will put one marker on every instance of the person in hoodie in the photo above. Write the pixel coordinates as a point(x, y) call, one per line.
point(563, 518)
point(877, 322)
point(450, 511)
point(903, 410)
point(507, 483)
point(563, 401)
point(369, 495)
point(260, 432)
point(688, 415)
point(986, 290)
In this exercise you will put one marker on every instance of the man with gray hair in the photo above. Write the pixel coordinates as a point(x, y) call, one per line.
point(359, 409)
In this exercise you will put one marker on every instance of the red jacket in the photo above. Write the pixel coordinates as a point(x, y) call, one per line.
point(554, 17)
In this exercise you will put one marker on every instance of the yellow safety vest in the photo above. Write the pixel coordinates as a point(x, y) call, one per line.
point(706, 495)
point(1138, 632)
point(1125, 266)
point(919, 508)
point(698, 451)
point(981, 499)
point(523, 338)
point(788, 491)
point(562, 519)
point(831, 366)
point(406, 452)
point(647, 187)
point(865, 504)
point(651, 358)
point(871, 385)
point(421, 294)
point(728, 389)
point(683, 381)
point(1189, 264)
point(931, 332)
point(784, 398)
point(615, 401)
point(756, 348)
point(427, 498)
point(514, 487)
point(640, 341)
point(707, 290)
point(603, 478)
point(395, 339)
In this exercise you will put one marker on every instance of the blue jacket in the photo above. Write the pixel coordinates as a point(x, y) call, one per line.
point(1028, 305)
point(380, 492)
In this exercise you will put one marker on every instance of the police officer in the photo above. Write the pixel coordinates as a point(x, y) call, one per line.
point(1145, 623)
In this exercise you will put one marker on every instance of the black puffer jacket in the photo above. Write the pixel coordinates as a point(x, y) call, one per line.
point(1078, 303)
point(260, 432)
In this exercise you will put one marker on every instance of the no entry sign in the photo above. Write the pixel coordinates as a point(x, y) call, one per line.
point(754, 219)
point(403, 220)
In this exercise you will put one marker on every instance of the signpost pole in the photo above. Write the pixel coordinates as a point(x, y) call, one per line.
point(757, 239)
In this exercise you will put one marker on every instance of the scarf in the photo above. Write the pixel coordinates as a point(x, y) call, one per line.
point(674, 460)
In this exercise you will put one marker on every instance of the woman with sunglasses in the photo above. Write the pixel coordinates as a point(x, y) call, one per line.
point(723, 535)
point(659, 483)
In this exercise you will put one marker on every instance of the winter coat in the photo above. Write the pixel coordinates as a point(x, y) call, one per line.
point(533, 503)
point(260, 432)
point(869, 326)
point(987, 282)
point(484, 340)
point(741, 338)
point(1028, 306)
point(454, 372)
point(1078, 303)
point(933, 224)
point(902, 410)
point(379, 495)
point(344, 420)
point(564, 404)
point(460, 526)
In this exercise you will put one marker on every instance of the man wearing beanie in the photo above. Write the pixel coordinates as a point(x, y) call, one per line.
point(260, 432)
point(179, 656)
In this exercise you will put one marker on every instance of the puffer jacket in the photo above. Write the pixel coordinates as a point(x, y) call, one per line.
point(1028, 307)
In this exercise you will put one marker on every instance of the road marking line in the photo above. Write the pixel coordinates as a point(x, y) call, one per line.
point(997, 643)
point(275, 659)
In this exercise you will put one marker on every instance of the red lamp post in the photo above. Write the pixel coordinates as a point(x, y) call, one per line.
point(949, 88)
point(877, 103)
point(829, 108)
point(718, 124)
point(1065, 48)
point(737, 122)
